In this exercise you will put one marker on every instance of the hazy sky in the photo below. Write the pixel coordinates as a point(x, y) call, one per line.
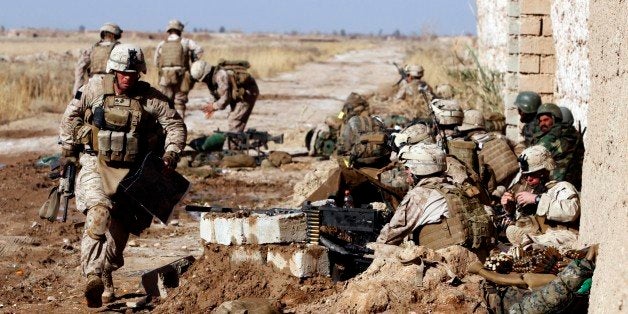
point(444, 17)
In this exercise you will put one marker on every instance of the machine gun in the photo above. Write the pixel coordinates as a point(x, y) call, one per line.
point(326, 225)
point(402, 72)
point(250, 139)
point(60, 195)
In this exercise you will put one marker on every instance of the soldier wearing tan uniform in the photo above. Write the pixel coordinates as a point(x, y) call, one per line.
point(116, 120)
point(173, 58)
point(555, 220)
point(234, 88)
point(409, 92)
point(93, 61)
point(432, 200)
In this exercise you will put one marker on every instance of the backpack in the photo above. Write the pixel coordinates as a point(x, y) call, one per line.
point(354, 105)
point(239, 76)
point(364, 139)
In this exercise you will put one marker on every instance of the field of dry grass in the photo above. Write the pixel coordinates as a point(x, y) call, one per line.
point(38, 75)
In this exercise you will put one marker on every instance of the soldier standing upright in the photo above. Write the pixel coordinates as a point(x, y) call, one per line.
point(230, 84)
point(173, 58)
point(93, 61)
point(116, 120)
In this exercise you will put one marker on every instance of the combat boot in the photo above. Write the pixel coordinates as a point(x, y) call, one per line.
point(108, 296)
point(94, 290)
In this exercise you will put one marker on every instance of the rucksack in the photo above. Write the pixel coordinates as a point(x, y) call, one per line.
point(239, 76)
point(364, 139)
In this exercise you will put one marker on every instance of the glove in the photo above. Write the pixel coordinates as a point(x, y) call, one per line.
point(170, 159)
point(209, 110)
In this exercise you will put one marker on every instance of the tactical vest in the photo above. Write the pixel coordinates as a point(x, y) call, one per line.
point(468, 224)
point(98, 58)
point(464, 151)
point(173, 55)
point(364, 139)
point(497, 159)
point(116, 126)
point(238, 76)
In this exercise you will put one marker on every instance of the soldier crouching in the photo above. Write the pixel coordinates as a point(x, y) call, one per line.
point(116, 120)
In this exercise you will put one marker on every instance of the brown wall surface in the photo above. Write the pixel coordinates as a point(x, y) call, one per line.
point(605, 177)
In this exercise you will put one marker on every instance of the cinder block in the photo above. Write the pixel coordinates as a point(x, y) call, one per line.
point(512, 65)
point(255, 229)
point(304, 261)
point(540, 83)
point(536, 45)
point(513, 44)
point(547, 26)
point(529, 63)
point(514, 26)
point(548, 64)
point(545, 98)
point(537, 7)
point(530, 25)
point(248, 254)
point(509, 99)
point(513, 9)
point(511, 79)
point(221, 230)
point(512, 116)
point(285, 228)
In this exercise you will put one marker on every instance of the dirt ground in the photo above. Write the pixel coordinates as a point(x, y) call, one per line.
point(39, 260)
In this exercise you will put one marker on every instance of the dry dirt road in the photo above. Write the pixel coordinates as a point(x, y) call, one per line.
point(39, 260)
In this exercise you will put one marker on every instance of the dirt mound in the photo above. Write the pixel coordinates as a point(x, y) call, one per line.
point(213, 279)
point(409, 278)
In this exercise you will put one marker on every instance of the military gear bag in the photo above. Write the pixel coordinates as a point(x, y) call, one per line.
point(364, 139)
point(355, 105)
point(239, 76)
point(468, 224)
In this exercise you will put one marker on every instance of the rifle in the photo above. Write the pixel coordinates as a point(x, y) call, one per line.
point(250, 139)
point(423, 89)
point(402, 72)
point(60, 195)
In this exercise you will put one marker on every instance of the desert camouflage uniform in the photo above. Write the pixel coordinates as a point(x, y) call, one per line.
point(83, 66)
point(560, 206)
point(559, 146)
point(178, 92)
point(96, 182)
point(220, 90)
point(419, 207)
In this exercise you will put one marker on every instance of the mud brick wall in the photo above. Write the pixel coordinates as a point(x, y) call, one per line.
point(531, 61)
point(492, 31)
point(604, 198)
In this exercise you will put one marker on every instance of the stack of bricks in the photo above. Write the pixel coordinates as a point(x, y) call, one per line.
point(531, 56)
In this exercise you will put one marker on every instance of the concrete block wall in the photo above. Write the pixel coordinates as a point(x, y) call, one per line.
point(254, 229)
point(531, 56)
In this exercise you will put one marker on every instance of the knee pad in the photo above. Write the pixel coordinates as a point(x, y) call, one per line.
point(97, 222)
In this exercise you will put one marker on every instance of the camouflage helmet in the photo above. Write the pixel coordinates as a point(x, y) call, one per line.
point(423, 159)
point(176, 25)
point(414, 70)
point(444, 91)
point(473, 120)
point(528, 102)
point(126, 58)
point(536, 158)
point(567, 115)
point(447, 111)
point(552, 109)
point(199, 70)
point(111, 28)
point(414, 134)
